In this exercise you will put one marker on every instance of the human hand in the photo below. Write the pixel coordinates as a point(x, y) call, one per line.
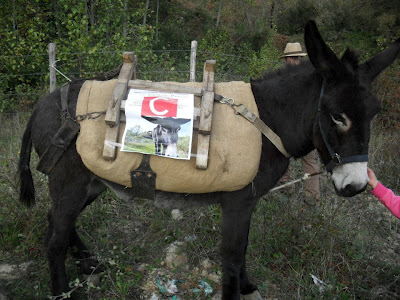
point(373, 181)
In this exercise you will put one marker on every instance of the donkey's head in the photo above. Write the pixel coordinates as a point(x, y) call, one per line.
point(347, 106)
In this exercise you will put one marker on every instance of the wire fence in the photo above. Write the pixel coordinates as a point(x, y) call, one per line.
point(29, 77)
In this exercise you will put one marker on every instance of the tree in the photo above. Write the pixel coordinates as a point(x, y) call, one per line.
point(145, 12)
point(292, 19)
point(219, 12)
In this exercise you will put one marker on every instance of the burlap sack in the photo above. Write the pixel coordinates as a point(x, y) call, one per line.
point(234, 155)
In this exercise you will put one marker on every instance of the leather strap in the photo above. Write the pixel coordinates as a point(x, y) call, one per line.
point(265, 130)
point(64, 102)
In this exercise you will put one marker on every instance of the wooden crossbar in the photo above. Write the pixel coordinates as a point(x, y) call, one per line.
point(206, 110)
point(164, 87)
point(112, 118)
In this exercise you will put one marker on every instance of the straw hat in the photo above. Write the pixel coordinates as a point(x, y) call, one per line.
point(293, 49)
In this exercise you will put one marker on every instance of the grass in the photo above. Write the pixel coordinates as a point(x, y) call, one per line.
point(352, 244)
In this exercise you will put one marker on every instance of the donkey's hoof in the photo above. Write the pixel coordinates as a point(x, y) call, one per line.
point(252, 296)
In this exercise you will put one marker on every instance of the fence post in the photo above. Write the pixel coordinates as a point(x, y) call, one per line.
point(193, 53)
point(52, 60)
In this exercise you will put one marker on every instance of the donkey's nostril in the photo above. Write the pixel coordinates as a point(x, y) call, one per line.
point(350, 190)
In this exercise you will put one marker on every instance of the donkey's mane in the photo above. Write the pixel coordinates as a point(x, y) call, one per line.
point(288, 70)
point(281, 85)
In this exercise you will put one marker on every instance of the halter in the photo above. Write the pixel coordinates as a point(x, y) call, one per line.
point(336, 159)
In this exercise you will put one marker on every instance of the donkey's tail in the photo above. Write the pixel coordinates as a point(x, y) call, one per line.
point(27, 189)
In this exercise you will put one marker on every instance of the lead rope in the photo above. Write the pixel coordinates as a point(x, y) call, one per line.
point(305, 177)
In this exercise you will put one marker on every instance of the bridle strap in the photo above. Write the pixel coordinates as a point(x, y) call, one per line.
point(336, 159)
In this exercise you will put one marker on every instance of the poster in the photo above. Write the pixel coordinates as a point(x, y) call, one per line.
point(159, 123)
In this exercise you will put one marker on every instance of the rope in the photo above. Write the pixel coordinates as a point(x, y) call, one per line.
point(52, 66)
point(305, 177)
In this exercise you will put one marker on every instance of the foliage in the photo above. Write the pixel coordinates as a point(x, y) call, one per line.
point(268, 56)
point(293, 19)
point(339, 15)
point(90, 37)
point(216, 45)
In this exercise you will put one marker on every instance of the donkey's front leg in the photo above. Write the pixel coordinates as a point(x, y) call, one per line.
point(236, 215)
point(158, 148)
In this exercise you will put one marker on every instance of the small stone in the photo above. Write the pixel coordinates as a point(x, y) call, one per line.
point(12, 272)
point(176, 214)
point(175, 257)
point(217, 296)
point(141, 268)
point(214, 277)
point(206, 264)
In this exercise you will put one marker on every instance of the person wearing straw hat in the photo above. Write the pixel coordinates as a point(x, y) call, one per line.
point(292, 55)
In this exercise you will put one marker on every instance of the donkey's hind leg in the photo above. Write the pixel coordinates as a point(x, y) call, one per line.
point(87, 263)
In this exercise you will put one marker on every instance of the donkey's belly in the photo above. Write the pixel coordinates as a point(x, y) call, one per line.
point(234, 155)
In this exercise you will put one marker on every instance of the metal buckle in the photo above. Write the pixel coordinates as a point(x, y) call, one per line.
point(337, 157)
point(229, 101)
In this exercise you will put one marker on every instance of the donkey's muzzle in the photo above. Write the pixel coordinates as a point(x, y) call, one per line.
point(350, 190)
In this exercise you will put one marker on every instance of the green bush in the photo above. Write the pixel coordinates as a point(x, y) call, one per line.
point(292, 20)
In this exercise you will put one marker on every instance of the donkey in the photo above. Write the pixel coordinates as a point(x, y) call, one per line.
point(325, 103)
point(168, 138)
point(166, 134)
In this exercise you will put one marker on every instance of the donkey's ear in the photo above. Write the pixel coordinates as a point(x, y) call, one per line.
point(375, 65)
point(321, 56)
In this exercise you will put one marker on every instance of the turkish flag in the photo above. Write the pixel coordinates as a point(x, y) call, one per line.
point(159, 107)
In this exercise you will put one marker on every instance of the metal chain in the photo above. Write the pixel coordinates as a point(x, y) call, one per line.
point(90, 116)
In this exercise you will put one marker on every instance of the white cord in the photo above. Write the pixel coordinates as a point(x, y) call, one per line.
point(304, 178)
point(52, 66)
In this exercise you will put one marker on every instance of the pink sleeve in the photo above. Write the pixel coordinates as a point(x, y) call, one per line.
point(388, 198)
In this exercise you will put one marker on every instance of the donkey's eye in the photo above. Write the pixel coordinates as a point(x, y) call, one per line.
point(338, 119)
point(342, 121)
